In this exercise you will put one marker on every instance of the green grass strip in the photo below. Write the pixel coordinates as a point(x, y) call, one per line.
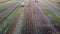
point(8, 20)
point(22, 21)
point(21, 24)
point(53, 14)
point(35, 22)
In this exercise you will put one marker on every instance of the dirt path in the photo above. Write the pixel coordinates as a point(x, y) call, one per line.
point(29, 27)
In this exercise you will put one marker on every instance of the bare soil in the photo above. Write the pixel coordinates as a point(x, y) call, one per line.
point(29, 27)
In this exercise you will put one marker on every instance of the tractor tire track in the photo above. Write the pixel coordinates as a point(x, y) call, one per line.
point(29, 27)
